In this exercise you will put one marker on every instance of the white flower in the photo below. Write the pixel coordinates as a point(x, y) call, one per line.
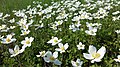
point(80, 46)
point(25, 32)
point(16, 51)
point(117, 31)
point(115, 13)
point(12, 20)
point(42, 54)
point(118, 58)
point(54, 27)
point(91, 31)
point(62, 47)
point(78, 63)
point(27, 42)
point(54, 41)
point(12, 27)
point(49, 57)
point(8, 39)
point(2, 27)
point(58, 23)
point(94, 55)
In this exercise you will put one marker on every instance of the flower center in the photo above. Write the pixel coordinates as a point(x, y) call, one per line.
point(92, 32)
point(25, 33)
point(55, 41)
point(42, 54)
point(16, 51)
point(96, 55)
point(8, 40)
point(52, 58)
point(77, 64)
point(28, 42)
point(62, 48)
point(59, 23)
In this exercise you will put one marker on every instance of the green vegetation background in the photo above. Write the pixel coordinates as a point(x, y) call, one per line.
point(106, 37)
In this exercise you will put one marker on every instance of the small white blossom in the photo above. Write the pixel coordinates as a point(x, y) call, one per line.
point(77, 63)
point(62, 47)
point(16, 51)
point(8, 39)
point(49, 57)
point(27, 42)
point(25, 32)
point(80, 46)
point(118, 58)
point(117, 31)
point(42, 54)
point(94, 55)
point(54, 41)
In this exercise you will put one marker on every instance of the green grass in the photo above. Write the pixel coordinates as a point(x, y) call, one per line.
point(7, 6)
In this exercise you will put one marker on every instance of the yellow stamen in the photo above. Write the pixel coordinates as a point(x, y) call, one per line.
point(52, 58)
point(55, 41)
point(77, 64)
point(16, 51)
point(8, 40)
point(28, 42)
point(62, 48)
point(96, 55)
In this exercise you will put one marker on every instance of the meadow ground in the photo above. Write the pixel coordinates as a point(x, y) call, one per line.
point(77, 23)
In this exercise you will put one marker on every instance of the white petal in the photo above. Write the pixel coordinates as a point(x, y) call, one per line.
point(80, 43)
point(66, 46)
point(53, 44)
point(26, 38)
point(16, 47)
point(55, 38)
point(118, 56)
point(92, 49)
point(59, 40)
point(23, 42)
point(117, 60)
point(94, 30)
point(58, 49)
point(31, 39)
point(28, 45)
point(60, 45)
point(55, 54)
point(50, 41)
point(57, 62)
point(22, 50)
point(73, 63)
point(78, 60)
point(46, 59)
point(38, 55)
point(48, 54)
point(87, 56)
point(13, 39)
point(11, 51)
point(95, 60)
point(9, 36)
point(101, 51)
